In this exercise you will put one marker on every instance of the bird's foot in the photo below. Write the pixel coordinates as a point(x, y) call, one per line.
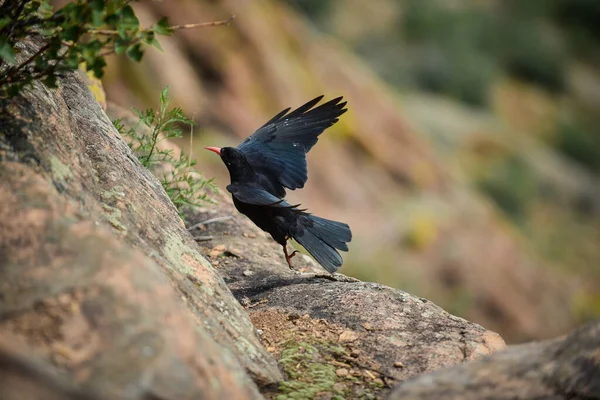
point(288, 257)
point(296, 271)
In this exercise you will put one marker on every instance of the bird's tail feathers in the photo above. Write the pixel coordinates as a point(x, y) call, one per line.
point(321, 237)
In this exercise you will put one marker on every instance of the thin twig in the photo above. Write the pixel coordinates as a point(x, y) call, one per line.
point(175, 27)
point(191, 139)
point(106, 32)
point(227, 21)
point(210, 221)
point(203, 24)
point(11, 72)
point(202, 238)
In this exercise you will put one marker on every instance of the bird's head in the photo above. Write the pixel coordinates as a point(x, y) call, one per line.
point(234, 160)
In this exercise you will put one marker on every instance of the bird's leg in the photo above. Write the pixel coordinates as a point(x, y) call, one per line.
point(288, 257)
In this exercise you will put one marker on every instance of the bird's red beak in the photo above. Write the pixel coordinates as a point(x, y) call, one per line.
point(215, 149)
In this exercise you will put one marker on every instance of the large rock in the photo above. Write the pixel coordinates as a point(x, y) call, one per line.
point(556, 369)
point(98, 274)
point(24, 378)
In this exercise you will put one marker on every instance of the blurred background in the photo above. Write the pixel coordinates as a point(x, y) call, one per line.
point(468, 165)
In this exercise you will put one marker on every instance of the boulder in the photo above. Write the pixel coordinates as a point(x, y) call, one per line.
point(98, 275)
point(557, 369)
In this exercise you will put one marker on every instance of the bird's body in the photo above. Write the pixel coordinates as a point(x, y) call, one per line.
point(273, 159)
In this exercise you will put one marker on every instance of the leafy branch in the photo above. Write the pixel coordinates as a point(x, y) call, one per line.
point(81, 32)
point(184, 185)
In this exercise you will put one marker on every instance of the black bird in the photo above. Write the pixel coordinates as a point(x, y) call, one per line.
point(274, 158)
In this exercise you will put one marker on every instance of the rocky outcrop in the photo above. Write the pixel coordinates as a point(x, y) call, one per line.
point(366, 335)
point(21, 377)
point(556, 369)
point(98, 274)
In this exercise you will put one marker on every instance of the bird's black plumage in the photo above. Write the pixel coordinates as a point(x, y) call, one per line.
point(274, 158)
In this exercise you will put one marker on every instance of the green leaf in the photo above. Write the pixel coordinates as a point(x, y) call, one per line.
point(137, 112)
point(52, 52)
point(148, 37)
point(121, 45)
point(50, 82)
point(164, 98)
point(13, 90)
point(41, 63)
point(45, 9)
point(69, 11)
point(46, 32)
point(7, 53)
point(97, 5)
point(111, 19)
point(119, 126)
point(95, 45)
point(162, 27)
point(135, 52)
point(72, 60)
point(97, 67)
point(31, 6)
point(71, 33)
point(97, 18)
point(4, 21)
point(89, 55)
point(129, 21)
point(156, 44)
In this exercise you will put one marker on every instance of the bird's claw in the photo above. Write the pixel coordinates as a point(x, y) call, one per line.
point(288, 257)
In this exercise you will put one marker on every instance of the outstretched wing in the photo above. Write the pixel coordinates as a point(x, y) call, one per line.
point(277, 150)
point(259, 197)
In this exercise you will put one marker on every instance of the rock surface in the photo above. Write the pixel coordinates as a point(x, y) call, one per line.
point(369, 335)
point(23, 378)
point(556, 369)
point(97, 272)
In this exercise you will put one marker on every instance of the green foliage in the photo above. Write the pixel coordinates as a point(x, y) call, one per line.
point(533, 55)
point(511, 185)
point(473, 46)
point(183, 184)
point(81, 32)
point(308, 373)
point(315, 9)
point(310, 367)
point(581, 142)
point(460, 48)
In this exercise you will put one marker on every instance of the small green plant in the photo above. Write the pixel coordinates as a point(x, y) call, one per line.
point(184, 185)
point(81, 32)
point(308, 373)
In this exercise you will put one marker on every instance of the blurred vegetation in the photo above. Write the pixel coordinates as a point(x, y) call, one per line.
point(580, 140)
point(462, 49)
point(459, 48)
point(511, 184)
